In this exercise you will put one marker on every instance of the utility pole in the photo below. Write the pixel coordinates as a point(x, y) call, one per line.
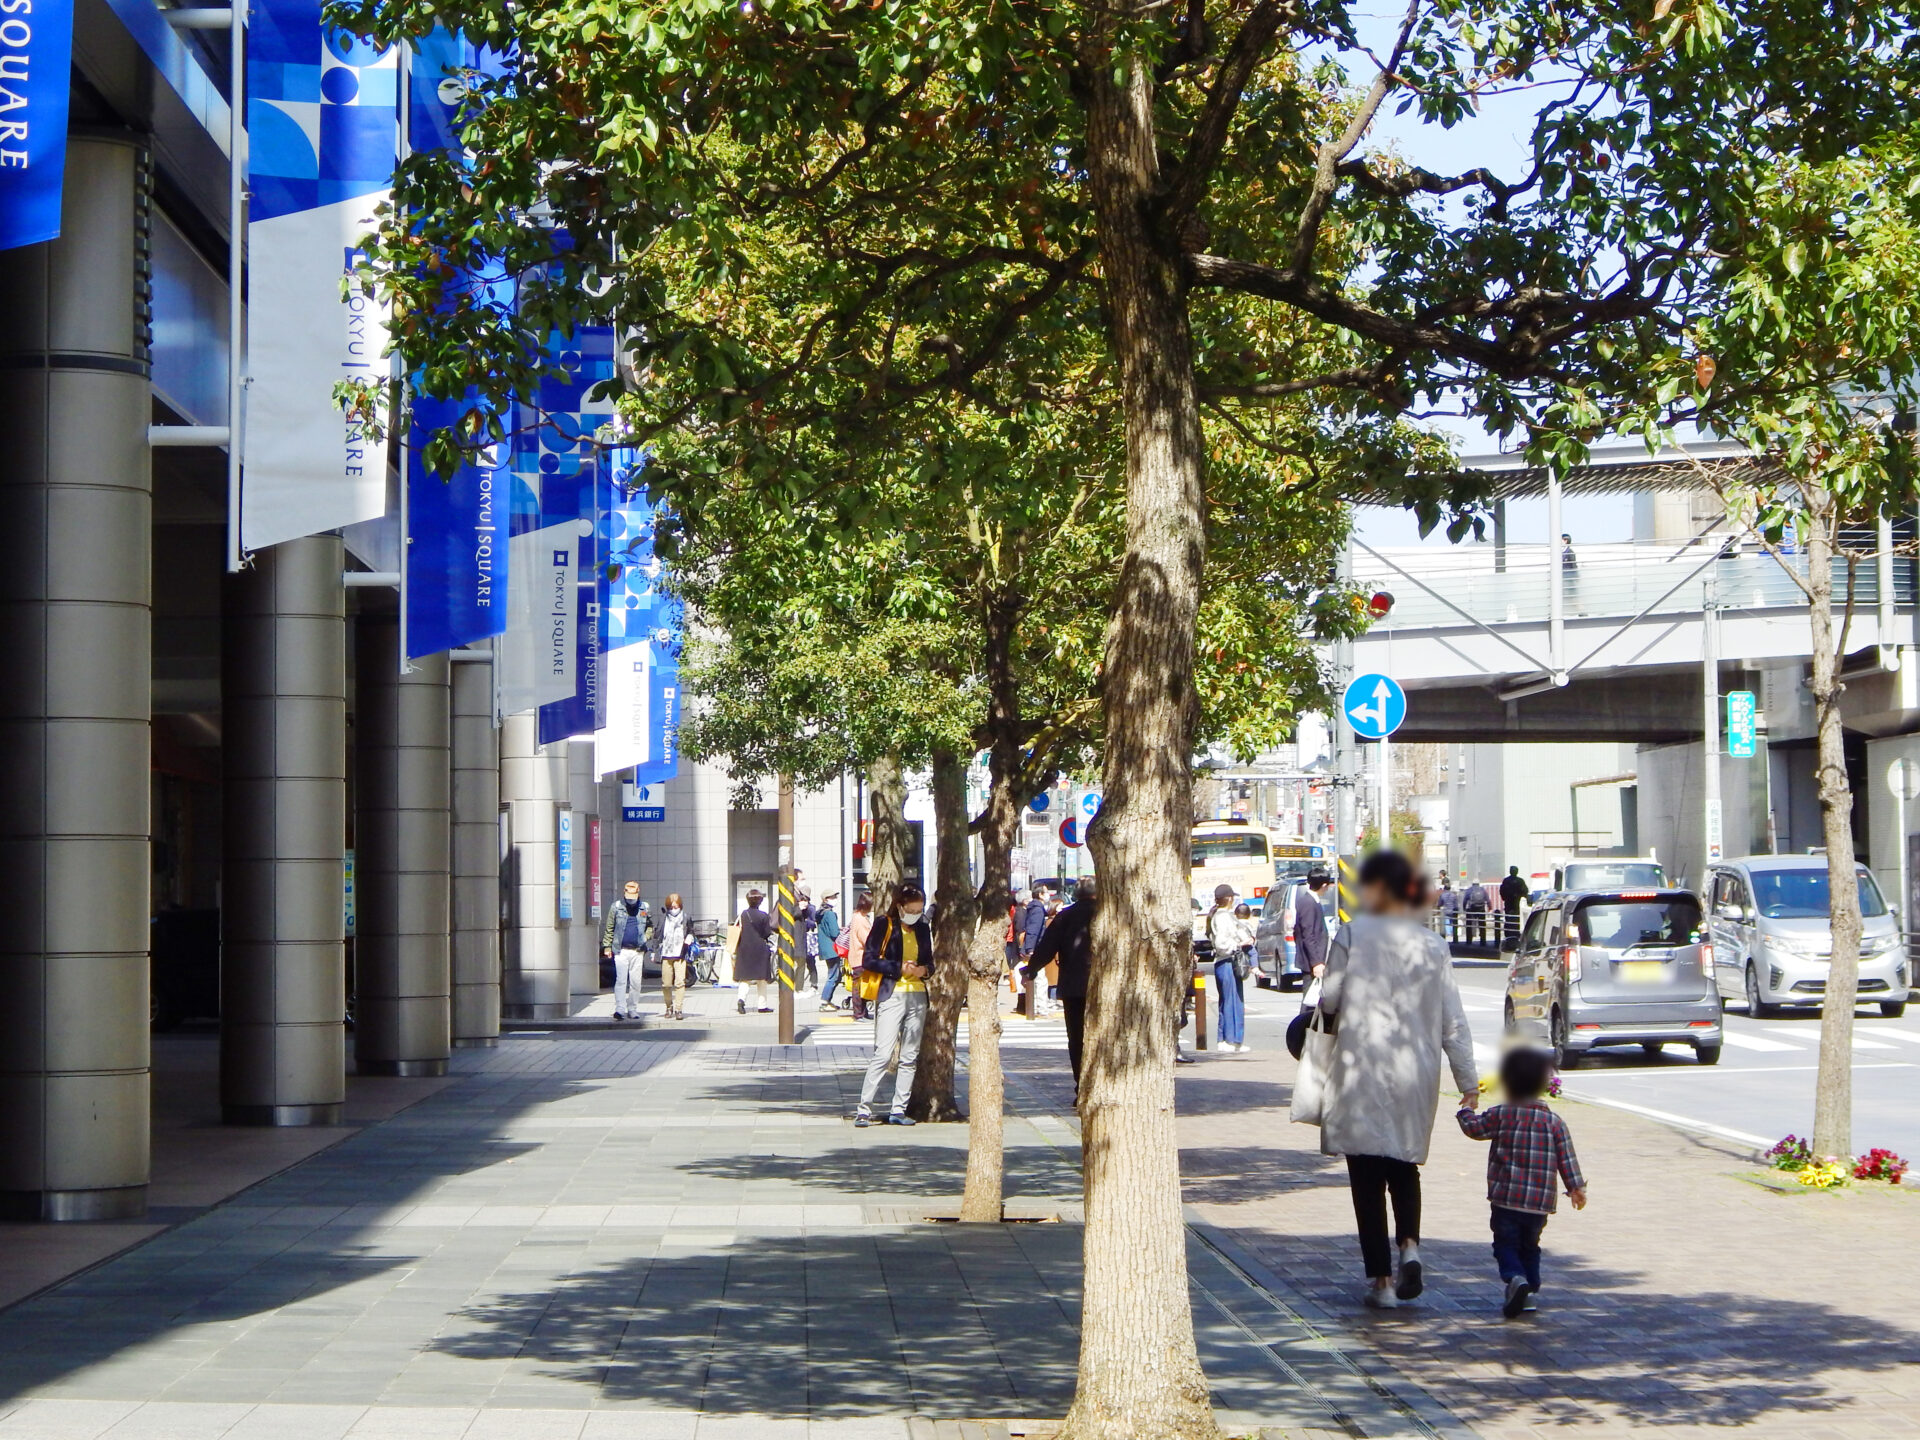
point(1710, 715)
point(786, 915)
point(1344, 832)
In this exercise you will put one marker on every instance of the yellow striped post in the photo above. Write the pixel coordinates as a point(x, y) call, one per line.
point(786, 927)
point(1348, 889)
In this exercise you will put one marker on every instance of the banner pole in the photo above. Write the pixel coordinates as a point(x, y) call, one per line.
point(236, 265)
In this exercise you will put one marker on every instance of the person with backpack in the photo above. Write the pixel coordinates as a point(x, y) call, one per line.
point(900, 952)
point(832, 950)
point(1474, 905)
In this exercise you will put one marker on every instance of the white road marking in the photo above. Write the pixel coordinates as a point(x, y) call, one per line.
point(1723, 1073)
point(1684, 1122)
point(1739, 1041)
point(1912, 1037)
point(1860, 1042)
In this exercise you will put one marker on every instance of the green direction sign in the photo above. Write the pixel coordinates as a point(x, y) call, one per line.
point(1740, 724)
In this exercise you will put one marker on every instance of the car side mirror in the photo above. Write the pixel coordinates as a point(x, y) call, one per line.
point(1731, 912)
point(1509, 944)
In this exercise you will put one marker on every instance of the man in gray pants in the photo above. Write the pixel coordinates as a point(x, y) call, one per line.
point(900, 952)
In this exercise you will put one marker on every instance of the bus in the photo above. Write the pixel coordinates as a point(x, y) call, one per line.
point(1250, 858)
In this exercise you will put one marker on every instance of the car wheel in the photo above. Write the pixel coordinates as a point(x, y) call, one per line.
point(1563, 1058)
point(1511, 1023)
point(1707, 1054)
point(1893, 1009)
point(1651, 1049)
point(1757, 1008)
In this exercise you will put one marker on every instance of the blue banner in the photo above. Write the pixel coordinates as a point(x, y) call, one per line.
point(36, 49)
point(643, 627)
point(323, 128)
point(456, 555)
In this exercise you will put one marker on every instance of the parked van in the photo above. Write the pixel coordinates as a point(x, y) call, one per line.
point(1773, 939)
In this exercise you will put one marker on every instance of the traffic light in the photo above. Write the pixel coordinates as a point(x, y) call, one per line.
point(1379, 603)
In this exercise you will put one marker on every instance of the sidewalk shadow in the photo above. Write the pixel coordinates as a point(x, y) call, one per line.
point(955, 1319)
point(1602, 1348)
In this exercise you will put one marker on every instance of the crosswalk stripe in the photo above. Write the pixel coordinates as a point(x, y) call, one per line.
point(1737, 1041)
point(1912, 1037)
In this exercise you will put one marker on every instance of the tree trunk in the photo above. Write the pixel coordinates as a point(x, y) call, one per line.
point(932, 1097)
point(986, 956)
point(1140, 1375)
point(1833, 1093)
point(887, 850)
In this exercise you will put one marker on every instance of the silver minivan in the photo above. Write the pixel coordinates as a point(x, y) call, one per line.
point(1772, 939)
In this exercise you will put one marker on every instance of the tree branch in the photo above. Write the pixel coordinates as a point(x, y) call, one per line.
point(1209, 138)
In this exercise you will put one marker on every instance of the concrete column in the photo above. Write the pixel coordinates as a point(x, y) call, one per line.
point(533, 782)
point(402, 857)
point(283, 678)
point(75, 685)
point(476, 857)
point(583, 935)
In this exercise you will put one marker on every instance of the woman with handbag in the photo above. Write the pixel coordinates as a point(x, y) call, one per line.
point(899, 955)
point(1224, 932)
point(1389, 1010)
point(753, 954)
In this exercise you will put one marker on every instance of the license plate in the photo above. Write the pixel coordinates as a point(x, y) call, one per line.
point(1642, 972)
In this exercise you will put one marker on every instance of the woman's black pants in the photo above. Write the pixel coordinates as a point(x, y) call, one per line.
point(1372, 1178)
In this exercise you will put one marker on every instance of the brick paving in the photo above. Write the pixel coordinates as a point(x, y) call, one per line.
point(1684, 1302)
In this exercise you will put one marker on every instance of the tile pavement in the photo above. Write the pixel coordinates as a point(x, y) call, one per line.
point(593, 1234)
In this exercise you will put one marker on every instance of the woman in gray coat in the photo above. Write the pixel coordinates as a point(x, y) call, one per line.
point(1389, 987)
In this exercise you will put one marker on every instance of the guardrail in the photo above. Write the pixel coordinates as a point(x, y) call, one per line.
point(1616, 580)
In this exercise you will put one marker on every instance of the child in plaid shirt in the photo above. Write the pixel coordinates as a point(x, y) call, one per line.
point(1530, 1145)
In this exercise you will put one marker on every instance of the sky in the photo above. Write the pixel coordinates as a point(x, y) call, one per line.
point(1499, 137)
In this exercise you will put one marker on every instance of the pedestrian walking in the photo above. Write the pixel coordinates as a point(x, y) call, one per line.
point(828, 928)
point(625, 938)
point(1390, 1001)
point(1310, 929)
point(900, 951)
point(1032, 923)
point(1513, 898)
point(1067, 943)
point(1449, 909)
point(753, 953)
point(859, 927)
point(1531, 1147)
point(1474, 905)
point(672, 947)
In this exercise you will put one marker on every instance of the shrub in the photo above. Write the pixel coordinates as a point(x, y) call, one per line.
point(1792, 1153)
point(1822, 1174)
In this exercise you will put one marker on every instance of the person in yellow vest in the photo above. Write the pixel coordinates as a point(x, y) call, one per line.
point(899, 950)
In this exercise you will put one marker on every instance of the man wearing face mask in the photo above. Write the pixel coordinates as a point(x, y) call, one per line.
point(900, 951)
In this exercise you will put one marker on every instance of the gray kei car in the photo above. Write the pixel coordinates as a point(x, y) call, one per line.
point(1614, 967)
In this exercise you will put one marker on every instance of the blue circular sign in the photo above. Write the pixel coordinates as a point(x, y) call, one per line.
point(1374, 705)
point(1090, 803)
point(1070, 834)
point(1039, 804)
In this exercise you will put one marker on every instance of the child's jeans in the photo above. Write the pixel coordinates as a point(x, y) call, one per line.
point(1516, 1244)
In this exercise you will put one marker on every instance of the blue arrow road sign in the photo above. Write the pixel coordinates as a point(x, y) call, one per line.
point(1090, 804)
point(1375, 706)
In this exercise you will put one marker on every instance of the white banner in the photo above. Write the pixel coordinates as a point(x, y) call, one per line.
point(535, 659)
point(624, 743)
point(322, 131)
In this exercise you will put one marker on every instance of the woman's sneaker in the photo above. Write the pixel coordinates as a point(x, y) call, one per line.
point(1518, 1292)
point(1379, 1297)
point(1412, 1277)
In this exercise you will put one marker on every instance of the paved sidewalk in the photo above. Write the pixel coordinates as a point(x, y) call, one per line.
point(599, 1233)
point(1686, 1301)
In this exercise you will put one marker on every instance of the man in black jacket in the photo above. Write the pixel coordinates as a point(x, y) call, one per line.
point(1310, 927)
point(1066, 940)
point(1513, 894)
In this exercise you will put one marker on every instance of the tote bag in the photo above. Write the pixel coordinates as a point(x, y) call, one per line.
point(1316, 1059)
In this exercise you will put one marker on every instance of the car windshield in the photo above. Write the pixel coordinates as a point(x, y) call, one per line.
point(1802, 894)
point(1250, 845)
point(1624, 924)
point(1613, 875)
